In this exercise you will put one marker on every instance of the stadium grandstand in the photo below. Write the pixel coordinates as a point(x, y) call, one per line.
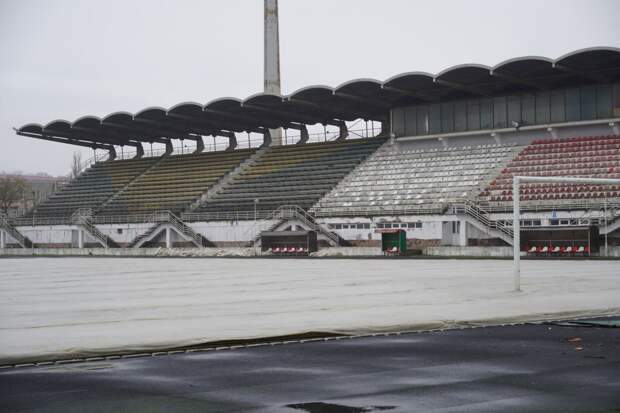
point(438, 166)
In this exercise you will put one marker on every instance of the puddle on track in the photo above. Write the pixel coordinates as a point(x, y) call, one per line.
point(320, 407)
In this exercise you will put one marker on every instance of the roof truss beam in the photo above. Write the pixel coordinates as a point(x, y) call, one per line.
point(257, 122)
point(331, 114)
point(76, 142)
point(118, 139)
point(414, 94)
point(467, 88)
point(208, 126)
point(521, 81)
point(300, 118)
point(378, 104)
point(132, 132)
point(597, 77)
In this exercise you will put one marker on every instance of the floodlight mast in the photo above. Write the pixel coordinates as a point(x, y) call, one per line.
point(272, 59)
point(516, 219)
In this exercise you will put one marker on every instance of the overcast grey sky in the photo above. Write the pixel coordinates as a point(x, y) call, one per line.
point(68, 58)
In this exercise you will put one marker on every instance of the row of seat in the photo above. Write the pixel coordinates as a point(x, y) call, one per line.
point(586, 157)
point(174, 182)
point(93, 187)
point(547, 250)
point(288, 250)
point(575, 140)
point(294, 174)
point(400, 178)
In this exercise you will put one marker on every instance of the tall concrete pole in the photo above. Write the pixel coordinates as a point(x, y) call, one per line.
point(272, 58)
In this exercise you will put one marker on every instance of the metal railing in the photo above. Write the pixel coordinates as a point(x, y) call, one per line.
point(482, 216)
point(83, 218)
point(141, 218)
point(222, 144)
point(317, 211)
point(365, 211)
point(541, 206)
point(160, 217)
point(296, 212)
point(225, 216)
point(22, 240)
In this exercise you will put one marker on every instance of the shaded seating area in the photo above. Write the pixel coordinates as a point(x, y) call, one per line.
point(561, 242)
point(92, 187)
point(586, 157)
point(175, 182)
point(287, 243)
point(558, 250)
point(397, 178)
point(292, 174)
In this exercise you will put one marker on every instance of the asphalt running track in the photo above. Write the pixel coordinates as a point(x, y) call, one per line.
point(523, 368)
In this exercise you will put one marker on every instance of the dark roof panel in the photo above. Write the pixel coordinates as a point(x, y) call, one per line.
point(224, 104)
point(186, 108)
point(359, 98)
point(31, 128)
point(58, 125)
point(359, 86)
point(311, 93)
point(87, 122)
point(593, 58)
point(118, 117)
point(264, 99)
point(467, 74)
point(151, 113)
point(411, 81)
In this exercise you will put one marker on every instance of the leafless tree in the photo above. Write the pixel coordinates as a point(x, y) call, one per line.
point(12, 189)
point(76, 165)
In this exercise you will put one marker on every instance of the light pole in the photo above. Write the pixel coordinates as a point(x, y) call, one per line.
point(34, 213)
point(256, 201)
point(606, 228)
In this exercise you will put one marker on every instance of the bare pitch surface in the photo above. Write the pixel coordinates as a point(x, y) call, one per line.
point(53, 307)
point(525, 369)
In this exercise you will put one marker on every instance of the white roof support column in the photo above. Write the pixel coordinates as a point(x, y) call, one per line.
point(272, 59)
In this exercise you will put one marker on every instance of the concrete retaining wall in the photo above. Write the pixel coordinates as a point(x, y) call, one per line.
point(348, 252)
point(249, 252)
point(469, 251)
point(109, 252)
point(612, 251)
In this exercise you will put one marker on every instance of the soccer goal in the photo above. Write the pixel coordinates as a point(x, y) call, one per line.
point(516, 222)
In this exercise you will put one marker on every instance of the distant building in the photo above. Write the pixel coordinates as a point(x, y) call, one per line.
point(40, 186)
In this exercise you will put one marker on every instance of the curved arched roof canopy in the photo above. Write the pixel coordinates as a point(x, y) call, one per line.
point(359, 98)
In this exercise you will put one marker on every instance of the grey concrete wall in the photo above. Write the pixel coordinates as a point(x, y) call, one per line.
point(348, 252)
point(111, 252)
point(447, 251)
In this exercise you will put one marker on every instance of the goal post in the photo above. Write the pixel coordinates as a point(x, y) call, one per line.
point(516, 217)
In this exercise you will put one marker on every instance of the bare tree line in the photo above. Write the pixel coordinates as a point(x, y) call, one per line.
point(13, 188)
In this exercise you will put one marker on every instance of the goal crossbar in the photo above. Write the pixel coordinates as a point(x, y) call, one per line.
point(516, 220)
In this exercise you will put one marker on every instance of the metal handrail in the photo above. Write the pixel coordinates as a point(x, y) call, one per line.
point(13, 232)
point(295, 211)
point(570, 205)
point(365, 211)
point(317, 211)
point(477, 212)
point(291, 139)
point(167, 216)
point(83, 217)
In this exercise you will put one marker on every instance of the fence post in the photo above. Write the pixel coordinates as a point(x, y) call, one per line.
point(516, 231)
point(168, 237)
